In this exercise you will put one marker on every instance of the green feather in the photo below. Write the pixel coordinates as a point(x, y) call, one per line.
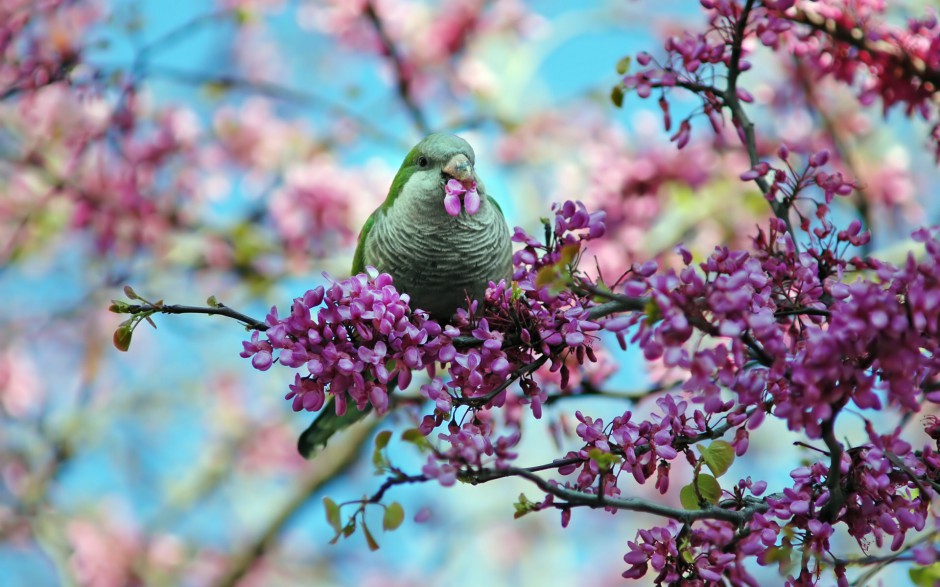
point(359, 264)
point(398, 184)
point(497, 206)
point(325, 425)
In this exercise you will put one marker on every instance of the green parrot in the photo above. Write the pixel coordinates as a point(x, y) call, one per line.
point(441, 238)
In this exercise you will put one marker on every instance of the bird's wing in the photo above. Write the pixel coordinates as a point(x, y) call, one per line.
point(325, 425)
point(359, 264)
point(496, 205)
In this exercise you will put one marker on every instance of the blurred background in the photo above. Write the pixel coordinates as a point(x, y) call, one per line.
point(234, 148)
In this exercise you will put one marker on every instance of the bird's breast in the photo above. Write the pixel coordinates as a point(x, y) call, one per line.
point(440, 260)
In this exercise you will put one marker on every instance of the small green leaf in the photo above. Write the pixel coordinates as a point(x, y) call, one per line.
point(382, 438)
point(130, 293)
point(349, 528)
point(123, 334)
point(370, 540)
point(394, 516)
point(118, 307)
point(783, 556)
point(687, 497)
point(212, 302)
point(623, 65)
point(332, 515)
point(718, 456)
point(523, 506)
point(605, 460)
point(378, 457)
point(925, 576)
point(616, 96)
point(569, 254)
point(708, 488)
point(652, 312)
point(414, 436)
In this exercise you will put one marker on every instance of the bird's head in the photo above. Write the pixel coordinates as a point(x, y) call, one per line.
point(438, 172)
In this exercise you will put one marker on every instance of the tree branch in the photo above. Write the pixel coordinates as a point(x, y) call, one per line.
point(402, 75)
point(220, 310)
point(332, 462)
point(856, 37)
point(581, 499)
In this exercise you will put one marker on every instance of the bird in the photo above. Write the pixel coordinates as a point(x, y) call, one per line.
point(439, 235)
point(439, 248)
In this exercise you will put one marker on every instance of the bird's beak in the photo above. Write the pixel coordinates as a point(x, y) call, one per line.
point(460, 168)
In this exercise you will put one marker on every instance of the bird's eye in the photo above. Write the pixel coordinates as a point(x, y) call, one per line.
point(422, 161)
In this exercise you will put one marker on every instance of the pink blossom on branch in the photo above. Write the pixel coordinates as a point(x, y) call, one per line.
point(366, 334)
point(850, 42)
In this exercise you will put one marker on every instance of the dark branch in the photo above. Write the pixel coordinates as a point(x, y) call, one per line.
point(220, 310)
point(580, 499)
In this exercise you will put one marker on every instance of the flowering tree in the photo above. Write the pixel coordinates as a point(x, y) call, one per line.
point(786, 315)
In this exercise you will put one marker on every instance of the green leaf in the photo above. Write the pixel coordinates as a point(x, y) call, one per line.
point(394, 516)
point(623, 65)
point(382, 438)
point(687, 497)
point(523, 506)
point(616, 96)
point(718, 456)
point(349, 528)
point(378, 457)
point(783, 556)
point(118, 307)
point(123, 334)
point(370, 540)
point(925, 576)
point(652, 312)
point(605, 460)
point(130, 293)
point(708, 488)
point(414, 436)
point(212, 302)
point(332, 515)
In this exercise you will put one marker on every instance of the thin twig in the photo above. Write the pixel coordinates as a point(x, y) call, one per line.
point(219, 310)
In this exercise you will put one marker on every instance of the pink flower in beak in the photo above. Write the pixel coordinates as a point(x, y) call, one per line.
point(452, 200)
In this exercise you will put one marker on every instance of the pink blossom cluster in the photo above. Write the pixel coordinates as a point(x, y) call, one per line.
point(366, 324)
point(359, 334)
point(363, 337)
point(786, 183)
point(40, 42)
point(707, 554)
point(790, 312)
point(883, 496)
point(847, 41)
point(883, 499)
point(643, 448)
point(103, 154)
point(853, 43)
point(637, 179)
point(432, 44)
point(472, 445)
